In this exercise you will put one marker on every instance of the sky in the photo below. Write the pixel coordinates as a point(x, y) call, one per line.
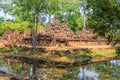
point(7, 16)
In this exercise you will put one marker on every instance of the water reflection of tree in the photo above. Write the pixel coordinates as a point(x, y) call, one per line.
point(107, 70)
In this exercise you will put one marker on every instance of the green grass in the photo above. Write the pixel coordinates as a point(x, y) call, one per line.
point(96, 54)
point(13, 50)
point(76, 56)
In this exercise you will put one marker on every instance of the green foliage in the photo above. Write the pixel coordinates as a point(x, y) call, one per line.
point(58, 6)
point(75, 21)
point(17, 25)
point(25, 11)
point(1, 19)
point(103, 17)
point(118, 51)
point(20, 26)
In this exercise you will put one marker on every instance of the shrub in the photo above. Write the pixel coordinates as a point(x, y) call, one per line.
point(20, 26)
point(13, 26)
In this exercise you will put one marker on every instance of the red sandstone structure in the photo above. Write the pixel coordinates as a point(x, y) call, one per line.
point(57, 35)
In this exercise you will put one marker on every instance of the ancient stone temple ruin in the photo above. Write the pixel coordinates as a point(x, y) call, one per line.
point(57, 35)
point(61, 35)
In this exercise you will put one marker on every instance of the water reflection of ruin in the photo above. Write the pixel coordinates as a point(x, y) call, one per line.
point(57, 34)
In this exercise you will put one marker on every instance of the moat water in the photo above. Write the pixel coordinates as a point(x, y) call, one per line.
point(109, 70)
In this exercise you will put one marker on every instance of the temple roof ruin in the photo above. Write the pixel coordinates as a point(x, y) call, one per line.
point(58, 30)
point(62, 30)
point(85, 34)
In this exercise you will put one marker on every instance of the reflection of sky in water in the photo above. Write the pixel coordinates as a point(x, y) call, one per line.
point(6, 70)
point(115, 62)
point(90, 74)
point(86, 74)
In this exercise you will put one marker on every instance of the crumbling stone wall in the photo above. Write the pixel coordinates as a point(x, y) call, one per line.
point(77, 43)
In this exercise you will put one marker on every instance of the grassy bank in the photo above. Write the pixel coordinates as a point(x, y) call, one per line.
point(97, 54)
point(94, 55)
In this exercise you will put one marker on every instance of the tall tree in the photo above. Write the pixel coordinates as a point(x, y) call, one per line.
point(61, 7)
point(104, 17)
point(83, 9)
point(69, 10)
point(34, 7)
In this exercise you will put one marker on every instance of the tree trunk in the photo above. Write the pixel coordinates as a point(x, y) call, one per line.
point(84, 21)
point(50, 18)
point(84, 14)
point(34, 37)
point(5, 18)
